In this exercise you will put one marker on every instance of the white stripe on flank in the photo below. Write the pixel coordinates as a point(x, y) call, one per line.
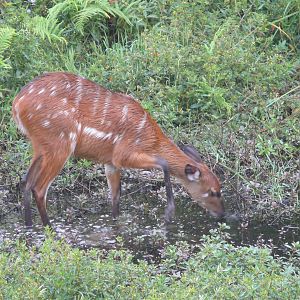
point(78, 96)
point(96, 133)
point(106, 106)
point(73, 139)
point(142, 123)
point(124, 114)
point(96, 102)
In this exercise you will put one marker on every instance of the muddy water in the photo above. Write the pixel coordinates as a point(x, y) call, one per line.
point(140, 227)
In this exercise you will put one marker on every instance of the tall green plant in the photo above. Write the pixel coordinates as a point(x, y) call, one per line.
point(6, 37)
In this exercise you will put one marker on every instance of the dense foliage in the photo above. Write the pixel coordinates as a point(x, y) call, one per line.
point(222, 74)
point(217, 271)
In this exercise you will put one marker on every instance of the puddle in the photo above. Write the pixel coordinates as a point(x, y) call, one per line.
point(140, 227)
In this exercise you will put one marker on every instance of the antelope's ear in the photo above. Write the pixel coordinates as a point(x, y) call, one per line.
point(190, 151)
point(192, 173)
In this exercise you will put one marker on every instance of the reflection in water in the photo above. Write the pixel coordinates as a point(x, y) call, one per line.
point(140, 228)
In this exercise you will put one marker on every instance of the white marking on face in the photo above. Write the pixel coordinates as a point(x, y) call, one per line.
point(205, 195)
point(97, 133)
point(142, 123)
point(39, 106)
point(41, 91)
point(46, 123)
point(124, 113)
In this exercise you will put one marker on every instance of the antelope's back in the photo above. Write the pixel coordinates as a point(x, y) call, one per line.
point(65, 108)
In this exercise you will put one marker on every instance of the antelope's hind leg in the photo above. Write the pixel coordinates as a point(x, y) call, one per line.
point(25, 186)
point(41, 173)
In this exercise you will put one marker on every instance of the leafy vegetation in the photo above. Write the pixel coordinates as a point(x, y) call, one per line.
point(223, 75)
point(218, 270)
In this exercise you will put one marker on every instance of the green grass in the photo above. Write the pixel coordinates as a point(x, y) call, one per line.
point(226, 81)
point(218, 271)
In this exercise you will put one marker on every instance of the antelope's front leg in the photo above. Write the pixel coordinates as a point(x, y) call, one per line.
point(145, 161)
point(114, 183)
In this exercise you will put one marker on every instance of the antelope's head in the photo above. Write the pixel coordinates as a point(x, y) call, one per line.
point(202, 184)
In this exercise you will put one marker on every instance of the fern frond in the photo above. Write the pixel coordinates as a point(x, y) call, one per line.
point(87, 13)
point(47, 28)
point(6, 36)
point(60, 8)
point(98, 8)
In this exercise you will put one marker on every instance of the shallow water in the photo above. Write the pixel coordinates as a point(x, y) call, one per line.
point(140, 227)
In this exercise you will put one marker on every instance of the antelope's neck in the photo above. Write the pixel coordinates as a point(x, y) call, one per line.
point(176, 159)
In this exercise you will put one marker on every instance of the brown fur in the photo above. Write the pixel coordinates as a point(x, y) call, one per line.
point(64, 114)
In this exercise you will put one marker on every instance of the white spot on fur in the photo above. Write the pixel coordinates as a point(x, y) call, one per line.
point(62, 135)
point(39, 106)
point(29, 116)
point(41, 91)
point(78, 127)
point(53, 93)
point(64, 101)
point(46, 123)
point(142, 123)
point(73, 109)
point(31, 90)
point(21, 98)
